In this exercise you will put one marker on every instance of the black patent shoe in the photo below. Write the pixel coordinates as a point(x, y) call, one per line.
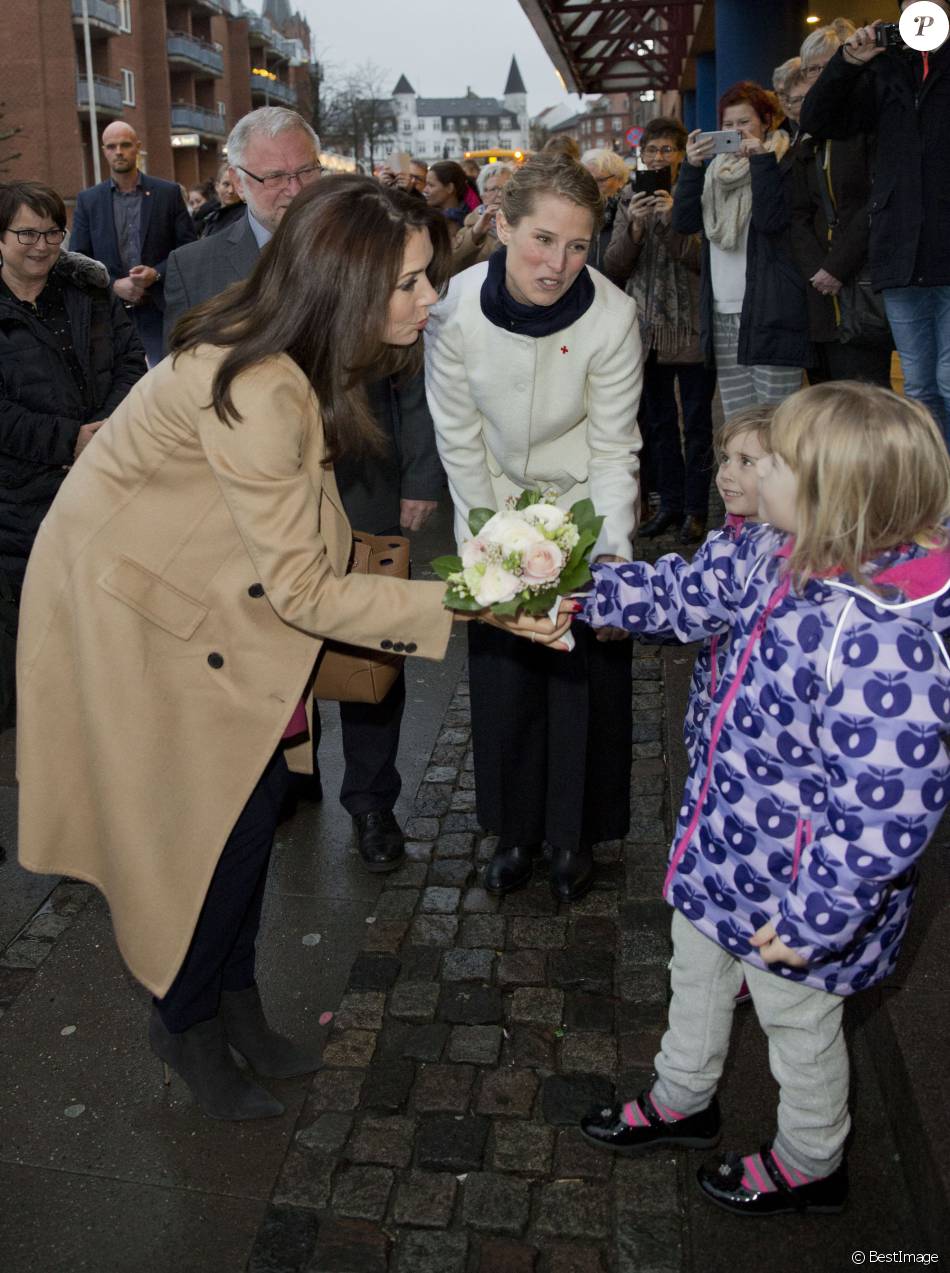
point(510, 869)
point(725, 1182)
point(572, 873)
point(693, 530)
point(608, 1129)
point(380, 840)
point(658, 523)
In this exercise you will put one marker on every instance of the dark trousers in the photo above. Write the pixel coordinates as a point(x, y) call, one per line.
point(222, 951)
point(551, 734)
point(835, 361)
point(682, 483)
point(371, 781)
point(148, 323)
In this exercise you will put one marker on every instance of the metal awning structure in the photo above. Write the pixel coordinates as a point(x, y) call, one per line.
point(615, 46)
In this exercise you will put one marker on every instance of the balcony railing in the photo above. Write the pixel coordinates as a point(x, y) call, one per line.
point(274, 90)
point(183, 47)
point(196, 119)
point(108, 93)
point(101, 14)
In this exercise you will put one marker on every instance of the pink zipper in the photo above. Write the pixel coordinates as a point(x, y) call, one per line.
point(731, 694)
point(713, 651)
point(802, 840)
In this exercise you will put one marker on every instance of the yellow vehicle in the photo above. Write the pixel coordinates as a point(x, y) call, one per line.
point(498, 156)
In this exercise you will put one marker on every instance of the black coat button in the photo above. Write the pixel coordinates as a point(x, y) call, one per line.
point(398, 647)
point(386, 645)
point(256, 590)
point(215, 659)
point(411, 647)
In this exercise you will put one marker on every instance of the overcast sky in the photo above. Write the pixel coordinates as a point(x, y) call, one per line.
point(442, 47)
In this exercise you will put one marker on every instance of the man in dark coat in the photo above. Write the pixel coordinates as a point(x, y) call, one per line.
point(398, 493)
point(131, 223)
point(903, 96)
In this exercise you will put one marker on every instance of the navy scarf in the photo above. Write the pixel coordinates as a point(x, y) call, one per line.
point(500, 308)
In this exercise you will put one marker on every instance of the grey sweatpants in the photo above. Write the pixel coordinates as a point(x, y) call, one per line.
point(741, 386)
point(807, 1052)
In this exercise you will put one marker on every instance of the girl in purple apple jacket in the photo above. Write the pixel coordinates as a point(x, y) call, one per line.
point(820, 775)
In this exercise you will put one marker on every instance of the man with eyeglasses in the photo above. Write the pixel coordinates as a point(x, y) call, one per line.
point(273, 152)
point(131, 222)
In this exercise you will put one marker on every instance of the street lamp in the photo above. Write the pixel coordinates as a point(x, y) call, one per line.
point(91, 93)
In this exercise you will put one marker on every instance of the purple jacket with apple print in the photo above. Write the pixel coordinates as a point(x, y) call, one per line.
point(820, 771)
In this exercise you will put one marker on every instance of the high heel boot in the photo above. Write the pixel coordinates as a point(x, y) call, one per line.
point(266, 1051)
point(200, 1055)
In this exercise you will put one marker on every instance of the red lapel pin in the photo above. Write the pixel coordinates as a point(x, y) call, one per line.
point(564, 349)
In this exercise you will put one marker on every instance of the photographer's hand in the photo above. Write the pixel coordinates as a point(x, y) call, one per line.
point(697, 152)
point(862, 46)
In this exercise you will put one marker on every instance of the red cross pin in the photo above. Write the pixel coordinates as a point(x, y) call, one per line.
point(564, 349)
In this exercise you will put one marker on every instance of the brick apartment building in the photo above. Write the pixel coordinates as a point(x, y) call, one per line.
point(605, 122)
point(180, 72)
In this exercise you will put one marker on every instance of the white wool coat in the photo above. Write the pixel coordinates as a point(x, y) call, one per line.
point(518, 412)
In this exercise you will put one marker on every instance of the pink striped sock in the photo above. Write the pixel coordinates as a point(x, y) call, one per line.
point(758, 1180)
point(634, 1116)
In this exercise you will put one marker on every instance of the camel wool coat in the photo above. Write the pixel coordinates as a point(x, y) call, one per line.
point(174, 605)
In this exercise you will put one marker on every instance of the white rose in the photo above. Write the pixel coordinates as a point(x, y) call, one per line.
point(549, 516)
point(543, 563)
point(473, 551)
point(497, 584)
point(472, 578)
point(510, 531)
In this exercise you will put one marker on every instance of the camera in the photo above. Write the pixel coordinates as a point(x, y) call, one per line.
point(888, 36)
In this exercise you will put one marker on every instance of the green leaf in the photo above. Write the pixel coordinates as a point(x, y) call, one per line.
point(506, 607)
point(575, 577)
point(445, 566)
point(478, 517)
point(527, 498)
point(455, 600)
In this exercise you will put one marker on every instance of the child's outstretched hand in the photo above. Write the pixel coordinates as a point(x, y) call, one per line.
point(774, 951)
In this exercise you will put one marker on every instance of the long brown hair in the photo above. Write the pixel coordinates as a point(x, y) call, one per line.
point(320, 293)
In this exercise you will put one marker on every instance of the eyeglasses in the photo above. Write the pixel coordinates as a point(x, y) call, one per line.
point(651, 152)
point(277, 180)
point(812, 72)
point(28, 238)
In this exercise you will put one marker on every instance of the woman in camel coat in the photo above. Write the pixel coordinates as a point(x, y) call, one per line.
point(177, 597)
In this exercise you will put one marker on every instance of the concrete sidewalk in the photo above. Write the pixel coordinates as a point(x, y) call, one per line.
point(469, 1036)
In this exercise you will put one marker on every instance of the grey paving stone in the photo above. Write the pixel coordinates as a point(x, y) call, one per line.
point(588, 1012)
point(422, 828)
point(454, 845)
point(420, 850)
point(648, 1244)
point(443, 1089)
point(566, 1099)
point(645, 883)
point(395, 903)
point(502, 1255)
point(450, 873)
point(284, 1242)
point(304, 1180)
point(537, 1006)
point(468, 965)
point(566, 1257)
point(350, 1049)
point(441, 901)
point(350, 1246)
point(606, 903)
point(426, 1042)
point(463, 800)
point(387, 1085)
point(434, 930)
point(414, 1000)
point(572, 1210)
point(445, 1143)
point(454, 737)
point(466, 781)
point(523, 1147)
point(649, 1184)
point(470, 1005)
point(642, 751)
point(483, 930)
point(431, 1253)
point(373, 972)
point(588, 1053)
point(507, 1092)
point(638, 1050)
point(476, 902)
point(496, 1204)
point(327, 1135)
point(335, 1090)
point(411, 875)
point(447, 756)
point(385, 935)
point(362, 1192)
point(361, 1010)
point(539, 934)
point(455, 822)
point(608, 852)
point(425, 1200)
point(386, 1141)
point(485, 851)
point(420, 963)
point(479, 1044)
point(521, 968)
point(531, 1047)
point(536, 901)
point(647, 830)
point(577, 1157)
point(434, 799)
point(647, 984)
point(441, 773)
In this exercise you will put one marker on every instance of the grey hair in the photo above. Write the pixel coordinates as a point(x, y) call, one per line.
point(783, 74)
point(481, 181)
point(267, 121)
point(605, 163)
point(827, 39)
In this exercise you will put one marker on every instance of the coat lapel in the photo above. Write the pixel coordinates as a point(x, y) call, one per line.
point(148, 196)
point(244, 250)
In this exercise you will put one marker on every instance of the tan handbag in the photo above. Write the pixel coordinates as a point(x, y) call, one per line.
point(348, 673)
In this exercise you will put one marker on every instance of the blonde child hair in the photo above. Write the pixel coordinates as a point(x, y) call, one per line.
point(756, 419)
point(873, 473)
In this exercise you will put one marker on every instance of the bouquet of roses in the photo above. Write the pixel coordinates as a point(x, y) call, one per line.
point(522, 558)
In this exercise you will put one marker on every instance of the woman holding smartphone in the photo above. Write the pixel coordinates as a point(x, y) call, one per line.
point(753, 308)
point(659, 268)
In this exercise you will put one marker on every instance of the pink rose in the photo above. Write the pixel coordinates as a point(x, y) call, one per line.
point(542, 563)
point(474, 551)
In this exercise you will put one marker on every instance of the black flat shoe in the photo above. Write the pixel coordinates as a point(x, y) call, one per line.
point(607, 1128)
point(510, 869)
point(693, 530)
point(572, 873)
point(658, 523)
point(380, 840)
point(725, 1182)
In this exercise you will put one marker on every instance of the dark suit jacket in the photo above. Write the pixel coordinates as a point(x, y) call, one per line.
point(166, 225)
point(370, 492)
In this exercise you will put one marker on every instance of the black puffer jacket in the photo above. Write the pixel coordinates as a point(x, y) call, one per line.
point(910, 198)
point(42, 407)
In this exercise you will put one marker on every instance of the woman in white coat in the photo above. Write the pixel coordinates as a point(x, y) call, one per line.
point(533, 371)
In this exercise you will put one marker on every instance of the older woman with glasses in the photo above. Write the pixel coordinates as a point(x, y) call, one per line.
point(611, 173)
point(69, 353)
point(477, 238)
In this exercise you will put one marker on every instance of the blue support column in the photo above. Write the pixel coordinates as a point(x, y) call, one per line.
point(689, 109)
point(706, 95)
point(753, 38)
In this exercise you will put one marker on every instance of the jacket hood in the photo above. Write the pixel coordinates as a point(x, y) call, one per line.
point(914, 582)
point(76, 268)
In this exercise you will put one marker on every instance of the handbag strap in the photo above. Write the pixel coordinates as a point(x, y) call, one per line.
point(823, 163)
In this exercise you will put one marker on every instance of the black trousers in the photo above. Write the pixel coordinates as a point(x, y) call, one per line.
point(222, 951)
point(850, 362)
point(370, 732)
point(682, 483)
point(551, 735)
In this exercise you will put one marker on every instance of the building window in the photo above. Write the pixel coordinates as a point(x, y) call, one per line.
point(128, 87)
point(450, 123)
point(599, 125)
point(505, 122)
point(483, 124)
point(463, 123)
point(222, 108)
point(407, 125)
point(618, 123)
point(437, 125)
point(125, 16)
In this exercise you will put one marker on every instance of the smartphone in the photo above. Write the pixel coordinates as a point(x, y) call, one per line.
point(647, 181)
point(401, 161)
point(726, 142)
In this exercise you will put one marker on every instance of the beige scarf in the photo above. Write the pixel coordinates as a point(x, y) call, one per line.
point(727, 194)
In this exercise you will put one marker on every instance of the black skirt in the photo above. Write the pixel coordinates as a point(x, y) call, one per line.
point(551, 734)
